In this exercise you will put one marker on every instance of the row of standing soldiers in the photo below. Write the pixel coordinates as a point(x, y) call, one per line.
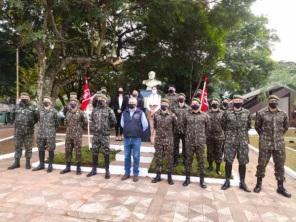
point(223, 131)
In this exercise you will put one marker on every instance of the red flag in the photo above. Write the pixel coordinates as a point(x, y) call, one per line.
point(86, 95)
point(203, 96)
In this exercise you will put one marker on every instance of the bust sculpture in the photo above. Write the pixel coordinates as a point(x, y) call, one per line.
point(151, 81)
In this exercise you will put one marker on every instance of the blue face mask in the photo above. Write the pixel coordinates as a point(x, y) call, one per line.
point(195, 107)
point(73, 105)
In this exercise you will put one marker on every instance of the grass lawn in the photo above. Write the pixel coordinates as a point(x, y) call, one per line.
point(180, 169)
point(86, 157)
point(290, 155)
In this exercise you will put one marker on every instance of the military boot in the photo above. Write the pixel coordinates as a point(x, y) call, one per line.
point(78, 169)
point(281, 189)
point(242, 175)
point(210, 168)
point(228, 169)
point(157, 178)
point(50, 161)
point(67, 169)
point(170, 180)
point(202, 182)
point(28, 163)
point(15, 165)
point(218, 172)
point(107, 172)
point(41, 161)
point(258, 186)
point(94, 166)
point(187, 180)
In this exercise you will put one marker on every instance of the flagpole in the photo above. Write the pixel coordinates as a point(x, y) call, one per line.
point(88, 129)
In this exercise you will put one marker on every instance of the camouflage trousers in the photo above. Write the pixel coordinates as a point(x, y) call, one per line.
point(199, 151)
point(177, 138)
point(46, 144)
point(241, 151)
point(164, 152)
point(73, 143)
point(279, 157)
point(100, 143)
point(25, 141)
point(214, 150)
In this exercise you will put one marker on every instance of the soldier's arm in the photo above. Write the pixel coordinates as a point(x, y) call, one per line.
point(258, 123)
point(56, 119)
point(84, 120)
point(224, 121)
point(112, 118)
point(36, 114)
point(12, 115)
point(286, 123)
point(249, 121)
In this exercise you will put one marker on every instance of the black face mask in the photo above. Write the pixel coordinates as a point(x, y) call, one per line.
point(131, 106)
point(225, 104)
point(195, 107)
point(46, 104)
point(237, 105)
point(181, 100)
point(215, 106)
point(273, 105)
point(120, 92)
point(171, 91)
point(100, 102)
point(163, 107)
point(25, 101)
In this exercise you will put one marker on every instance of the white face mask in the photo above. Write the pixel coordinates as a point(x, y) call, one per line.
point(154, 91)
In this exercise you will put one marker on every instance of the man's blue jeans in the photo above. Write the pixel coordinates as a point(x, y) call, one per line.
point(132, 147)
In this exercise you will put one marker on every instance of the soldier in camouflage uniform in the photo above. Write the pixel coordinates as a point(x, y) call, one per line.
point(196, 124)
point(46, 137)
point(180, 111)
point(104, 91)
point(172, 96)
point(164, 123)
point(225, 104)
point(75, 122)
point(236, 124)
point(24, 117)
point(102, 121)
point(215, 137)
point(271, 125)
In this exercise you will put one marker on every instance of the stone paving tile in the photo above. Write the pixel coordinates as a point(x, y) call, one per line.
point(39, 196)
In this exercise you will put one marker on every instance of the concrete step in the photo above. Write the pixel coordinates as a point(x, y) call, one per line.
point(145, 157)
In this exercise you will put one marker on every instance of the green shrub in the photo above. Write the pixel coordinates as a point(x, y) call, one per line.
point(86, 157)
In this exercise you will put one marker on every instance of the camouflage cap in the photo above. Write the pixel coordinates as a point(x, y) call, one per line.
point(47, 97)
point(183, 95)
point(165, 100)
point(103, 88)
point(215, 100)
point(73, 94)
point(102, 96)
point(238, 97)
point(273, 97)
point(24, 94)
point(196, 99)
point(74, 100)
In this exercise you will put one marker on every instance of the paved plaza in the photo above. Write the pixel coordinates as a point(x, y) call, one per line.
point(39, 196)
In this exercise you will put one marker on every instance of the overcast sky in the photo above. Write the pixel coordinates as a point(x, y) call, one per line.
point(282, 17)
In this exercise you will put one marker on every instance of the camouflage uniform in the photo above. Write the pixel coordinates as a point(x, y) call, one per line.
point(164, 123)
point(48, 123)
point(103, 119)
point(179, 130)
point(236, 125)
point(196, 128)
point(24, 117)
point(75, 123)
point(215, 137)
point(173, 99)
point(271, 127)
